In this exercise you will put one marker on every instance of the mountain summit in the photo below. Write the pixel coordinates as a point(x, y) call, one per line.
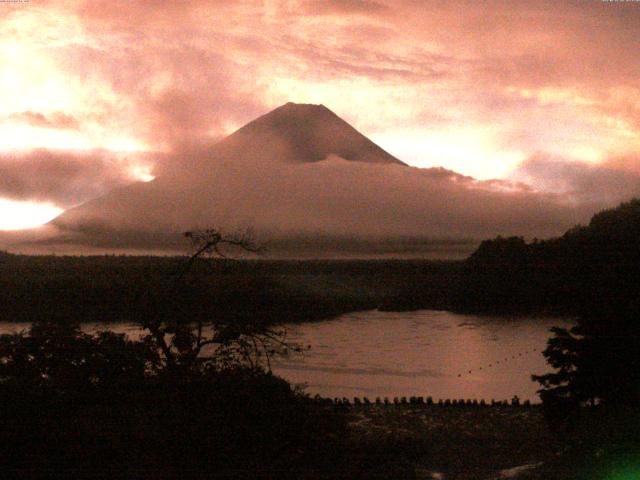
point(303, 133)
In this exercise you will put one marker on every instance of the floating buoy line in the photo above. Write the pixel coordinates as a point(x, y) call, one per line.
point(499, 362)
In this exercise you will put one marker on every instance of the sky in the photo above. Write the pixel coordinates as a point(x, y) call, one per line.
point(93, 94)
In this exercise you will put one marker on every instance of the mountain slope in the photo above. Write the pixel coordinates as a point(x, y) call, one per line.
point(302, 172)
point(303, 133)
point(225, 177)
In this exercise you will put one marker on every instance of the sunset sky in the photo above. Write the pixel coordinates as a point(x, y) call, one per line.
point(543, 93)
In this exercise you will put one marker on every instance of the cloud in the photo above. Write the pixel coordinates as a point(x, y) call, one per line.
point(177, 93)
point(52, 120)
point(331, 198)
point(63, 178)
point(302, 174)
point(332, 7)
point(485, 83)
point(540, 73)
point(582, 183)
point(624, 163)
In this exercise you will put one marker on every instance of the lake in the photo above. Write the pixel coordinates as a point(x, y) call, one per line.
point(421, 353)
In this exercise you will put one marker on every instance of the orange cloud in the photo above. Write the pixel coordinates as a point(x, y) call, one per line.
point(63, 178)
point(471, 86)
point(54, 120)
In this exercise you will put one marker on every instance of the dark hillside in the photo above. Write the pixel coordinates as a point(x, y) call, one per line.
point(599, 260)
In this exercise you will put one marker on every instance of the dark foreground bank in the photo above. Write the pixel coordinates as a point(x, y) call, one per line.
point(472, 443)
point(236, 425)
point(233, 427)
point(100, 405)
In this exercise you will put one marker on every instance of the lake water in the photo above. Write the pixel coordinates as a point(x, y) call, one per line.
point(422, 353)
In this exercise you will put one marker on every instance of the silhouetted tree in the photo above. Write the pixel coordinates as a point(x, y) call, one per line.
point(598, 360)
point(60, 356)
point(175, 344)
point(191, 399)
point(561, 274)
point(500, 253)
point(195, 346)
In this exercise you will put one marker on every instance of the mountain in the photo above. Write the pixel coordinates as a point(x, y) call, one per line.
point(202, 186)
point(302, 177)
point(303, 133)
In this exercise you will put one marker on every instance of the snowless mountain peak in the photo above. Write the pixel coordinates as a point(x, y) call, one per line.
point(301, 133)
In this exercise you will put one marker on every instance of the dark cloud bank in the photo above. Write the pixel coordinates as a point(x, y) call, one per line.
point(64, 178)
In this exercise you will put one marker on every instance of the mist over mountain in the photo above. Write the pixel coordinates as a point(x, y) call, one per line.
point(301, 176)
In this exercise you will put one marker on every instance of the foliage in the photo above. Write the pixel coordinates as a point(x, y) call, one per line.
point(609, 244)
point(591, 272)
point(558, 275)
point(194, 346)
point(238, 423)
point(597, 362)
point(189, 399)
point(176, 343)
point(106, 289)
point(59, 355)
point(499, 253)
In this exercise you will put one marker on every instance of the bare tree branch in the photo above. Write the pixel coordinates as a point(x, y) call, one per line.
point(183, 344)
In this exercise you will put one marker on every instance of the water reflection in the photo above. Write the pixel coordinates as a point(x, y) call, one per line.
point(421, 353)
